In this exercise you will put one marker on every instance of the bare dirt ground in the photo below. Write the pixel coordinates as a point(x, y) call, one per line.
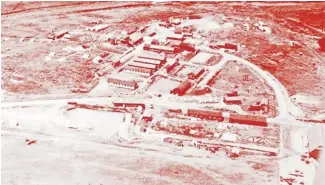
point(72, 157)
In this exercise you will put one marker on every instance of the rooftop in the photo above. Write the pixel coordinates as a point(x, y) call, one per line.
point(166, 48)
point(176, 36)
point(144, 70)
point(118, 81)
point(151, 55)
point(145, 60)
point(135, 36)
point(201, 57)
point(233, 98)
point(138, 64)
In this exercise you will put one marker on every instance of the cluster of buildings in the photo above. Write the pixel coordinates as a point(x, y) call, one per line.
point(233, 98)
point(175, 41)
point(132, 37)
point(153, 56)
point(252, 120)
point(146, 63)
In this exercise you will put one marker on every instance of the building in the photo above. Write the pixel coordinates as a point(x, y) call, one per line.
point(153, 56)
point(182, 88)
point(114, 60)
point(186, 47)
point(262, 105)
point(315, 154)
point(122, 83)
point(188, 29)
point(142, 29)
point(205, 114)
point(98, 28)
point(143, 65)
point(147, 115)
point(147, 118)
point(178, 30)
point(105, 54)
point(201, 91)
point(232, 94)
point(61, 34)
point(248, 120)
point(229, 46)
point(126, 57)
point(116, 63)
point(151, 34)
point(86, 87)
point(163, 24)
point(147, 58)
point(186, 35)
point(170, 67)
point(174, 43)
point(175, 21)
point(135, 38)
point(103, 70)
point(185, 31)
point(131, 30)
point(173, 36)
point(234, 100)
point(212, 80)
point(196, 74)
point(138, 70)
point(155, 42)
point(158, 48)
point(202, 58)
point(194, 17)
point(158, 63)
point(129, 104)
point(228, 136)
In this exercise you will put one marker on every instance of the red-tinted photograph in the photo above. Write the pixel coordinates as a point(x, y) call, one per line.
point(162, 93)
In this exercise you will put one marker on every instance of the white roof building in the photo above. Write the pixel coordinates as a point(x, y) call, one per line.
point(98, 27)
point(135, 37)
point(201, 58)
point(61, 32)
point(142, 65)
point(147, 61)
point(162, 48)
point(151, 55)
point(175, 36)
point(229, 137)
point(233, 98)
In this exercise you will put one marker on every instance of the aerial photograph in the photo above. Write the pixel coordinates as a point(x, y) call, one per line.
point(162, 93)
